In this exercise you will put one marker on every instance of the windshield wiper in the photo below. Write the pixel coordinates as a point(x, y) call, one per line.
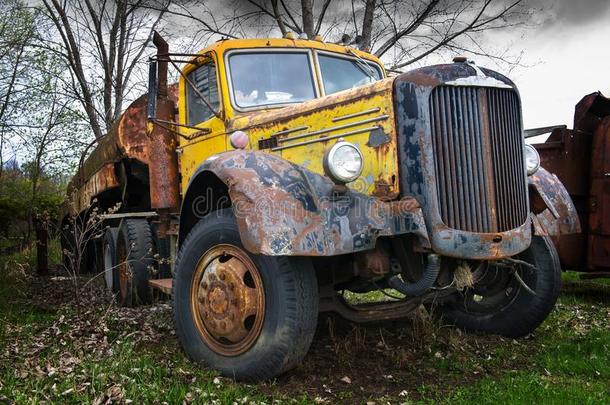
point(363, 65)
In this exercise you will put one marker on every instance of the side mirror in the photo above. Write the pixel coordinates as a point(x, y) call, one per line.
point(152, 90)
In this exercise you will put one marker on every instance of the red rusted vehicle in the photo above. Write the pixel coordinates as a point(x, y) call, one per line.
point(580, 159)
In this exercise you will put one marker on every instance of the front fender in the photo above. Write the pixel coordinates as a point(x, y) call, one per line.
point(555, 211)
point(284, 209)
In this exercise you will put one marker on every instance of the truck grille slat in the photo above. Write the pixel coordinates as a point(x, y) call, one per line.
point(478, 158)
point(477, 150)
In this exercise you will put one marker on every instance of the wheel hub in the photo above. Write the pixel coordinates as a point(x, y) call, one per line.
point(228, 300)
point(217, 301)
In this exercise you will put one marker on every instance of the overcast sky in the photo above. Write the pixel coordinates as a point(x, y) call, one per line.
point(568, 55)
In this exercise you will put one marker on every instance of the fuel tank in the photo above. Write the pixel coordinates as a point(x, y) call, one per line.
point(105, 169)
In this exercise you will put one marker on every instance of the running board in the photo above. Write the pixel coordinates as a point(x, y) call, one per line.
point(163, 284)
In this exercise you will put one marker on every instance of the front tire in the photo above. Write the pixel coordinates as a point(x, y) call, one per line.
point(251, 317)
point(504, 306)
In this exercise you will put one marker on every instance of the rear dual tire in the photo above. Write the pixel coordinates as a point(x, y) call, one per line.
point(134, 262)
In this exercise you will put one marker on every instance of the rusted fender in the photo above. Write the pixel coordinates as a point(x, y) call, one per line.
point(284, 209)
point(560, 216)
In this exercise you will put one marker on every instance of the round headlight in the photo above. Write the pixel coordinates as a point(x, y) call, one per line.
point(532, 159)
point(343, 162)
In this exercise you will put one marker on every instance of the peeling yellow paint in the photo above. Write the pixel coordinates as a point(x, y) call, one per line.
point(303, 131)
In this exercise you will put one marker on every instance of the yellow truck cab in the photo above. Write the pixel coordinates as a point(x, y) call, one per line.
point(289, 97)
point(280, 173)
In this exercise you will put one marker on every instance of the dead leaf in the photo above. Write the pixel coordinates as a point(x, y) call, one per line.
point(346, 380)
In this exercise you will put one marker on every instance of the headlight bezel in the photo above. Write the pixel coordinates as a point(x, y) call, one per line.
point(531, 149)
point(330, 168)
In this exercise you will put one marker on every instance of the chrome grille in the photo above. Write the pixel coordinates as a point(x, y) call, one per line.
point(478, 153)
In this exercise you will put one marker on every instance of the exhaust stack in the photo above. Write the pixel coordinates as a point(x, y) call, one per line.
point(163, 167)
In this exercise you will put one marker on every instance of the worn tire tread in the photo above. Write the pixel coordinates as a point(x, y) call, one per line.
point(290, 345)
point(137, 236)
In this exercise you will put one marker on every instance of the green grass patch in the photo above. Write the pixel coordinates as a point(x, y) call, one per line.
point(129, 374)
point(572, 360)
point(574, 277)
point(529, 388)
point(587, 356)
point(13, 289)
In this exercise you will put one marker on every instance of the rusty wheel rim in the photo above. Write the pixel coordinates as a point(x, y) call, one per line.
point(123, 269)
point(227, 300)
point(108, 268)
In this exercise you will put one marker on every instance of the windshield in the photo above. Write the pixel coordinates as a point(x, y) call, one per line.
point(269, 78)
point(342, 74)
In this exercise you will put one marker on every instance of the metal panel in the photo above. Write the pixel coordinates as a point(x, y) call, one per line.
point(478, 150)
point(580, 158)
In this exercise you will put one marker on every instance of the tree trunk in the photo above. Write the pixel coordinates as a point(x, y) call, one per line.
point(42, 239)
point(367, 25)
point(307, 11)
point(278, 17)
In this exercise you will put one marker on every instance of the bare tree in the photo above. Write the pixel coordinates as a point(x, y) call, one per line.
point(102, 36)
point(402, 32)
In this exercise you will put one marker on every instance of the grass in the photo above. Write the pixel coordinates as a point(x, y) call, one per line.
point(54, 352)
point(529, 388)
point(570, 368)
point(13, 286)
point(130, 374)
point(74, 354)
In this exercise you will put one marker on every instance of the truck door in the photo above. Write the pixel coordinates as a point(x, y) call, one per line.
point(203, 133)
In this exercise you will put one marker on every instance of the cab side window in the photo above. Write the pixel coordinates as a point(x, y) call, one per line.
point(204, 80)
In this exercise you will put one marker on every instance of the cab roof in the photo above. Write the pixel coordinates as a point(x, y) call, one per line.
point(223, 45)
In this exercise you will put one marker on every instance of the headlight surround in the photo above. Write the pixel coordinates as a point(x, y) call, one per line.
point(532, 159)
point(343, 162)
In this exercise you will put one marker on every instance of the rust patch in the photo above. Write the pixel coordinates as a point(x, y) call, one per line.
point(127, 139)
point(163, 162)
point(284, 209)
point(79, 199)
point(560, 216)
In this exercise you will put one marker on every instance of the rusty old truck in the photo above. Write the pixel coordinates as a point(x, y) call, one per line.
point(580, 158)
point(280, 176)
